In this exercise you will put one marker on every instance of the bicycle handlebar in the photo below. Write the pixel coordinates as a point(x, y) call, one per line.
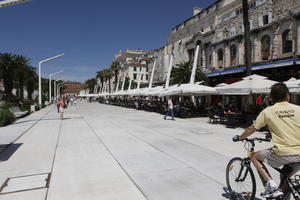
point(256, 139)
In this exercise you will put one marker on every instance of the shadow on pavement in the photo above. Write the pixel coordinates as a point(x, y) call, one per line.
point(7, 150)
point(229, 195)
point(54, 119)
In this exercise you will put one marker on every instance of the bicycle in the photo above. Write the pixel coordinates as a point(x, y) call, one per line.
point(241, 182)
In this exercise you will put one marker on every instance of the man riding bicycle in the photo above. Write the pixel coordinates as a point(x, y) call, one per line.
point(283, 121)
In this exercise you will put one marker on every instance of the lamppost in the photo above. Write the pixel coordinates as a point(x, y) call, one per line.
point(58, 87)
point(40, 78)
point(50, 84)
point(55, 88)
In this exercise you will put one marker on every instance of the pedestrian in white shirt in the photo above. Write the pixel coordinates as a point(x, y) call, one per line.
point(170, 111)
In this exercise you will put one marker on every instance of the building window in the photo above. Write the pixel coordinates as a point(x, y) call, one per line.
point(266, 19)
point(239, 11)
point(287, 41)
point(253, 5)
point(220, 58)
point(146, 69)
point(146, 77)
point(134, 76)
point(233, 55)
point(142, 76)
point(134, 69)
point(265, 47)
point(191, 54)
point(232, 32)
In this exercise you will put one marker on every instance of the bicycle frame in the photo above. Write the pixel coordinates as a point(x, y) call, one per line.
point(247, 163)
point(285, 174)
point(286, 183)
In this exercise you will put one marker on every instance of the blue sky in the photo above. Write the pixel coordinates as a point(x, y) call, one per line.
point(89, 32)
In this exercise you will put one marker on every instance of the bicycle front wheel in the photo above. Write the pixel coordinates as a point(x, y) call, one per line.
point(240, 180)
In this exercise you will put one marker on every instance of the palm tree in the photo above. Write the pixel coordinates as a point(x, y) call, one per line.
point(7, 73)
point(31, 81)
point(22, 67)
point(107, 73)
point(90, 84)
point(115, 68)
point(100, 75)
point(182, 74)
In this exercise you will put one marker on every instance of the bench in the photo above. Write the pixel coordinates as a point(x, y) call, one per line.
point(17, 112)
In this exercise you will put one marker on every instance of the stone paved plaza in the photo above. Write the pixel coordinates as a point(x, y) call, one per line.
point(113, 153)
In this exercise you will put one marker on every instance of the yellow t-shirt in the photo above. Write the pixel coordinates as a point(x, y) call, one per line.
point(283, 120)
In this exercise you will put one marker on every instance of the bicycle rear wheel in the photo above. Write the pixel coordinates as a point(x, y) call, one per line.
point(240, 180)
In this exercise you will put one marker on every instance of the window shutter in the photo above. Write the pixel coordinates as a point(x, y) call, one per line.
point(270, 17)
point(251, 24)
point(260, 21)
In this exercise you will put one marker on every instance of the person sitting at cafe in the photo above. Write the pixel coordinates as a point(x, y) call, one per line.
point(229, 110)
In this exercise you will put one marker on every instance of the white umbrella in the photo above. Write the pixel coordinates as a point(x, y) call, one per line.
point(293, 85)
point(189, 90)
point(222, 85)
point(254, 84)
point(134, 92)
point(103, 94)
point(153, 91)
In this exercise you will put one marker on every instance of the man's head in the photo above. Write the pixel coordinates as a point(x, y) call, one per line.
point(280, 92)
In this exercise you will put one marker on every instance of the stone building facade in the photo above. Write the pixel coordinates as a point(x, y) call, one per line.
point(133, 63)
point(219, 30)
point(72, 88)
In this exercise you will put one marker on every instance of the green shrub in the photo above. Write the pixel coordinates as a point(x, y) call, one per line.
point(6, 117)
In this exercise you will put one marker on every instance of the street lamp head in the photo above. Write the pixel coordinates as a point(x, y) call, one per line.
point(56, 73)
point(51, 58)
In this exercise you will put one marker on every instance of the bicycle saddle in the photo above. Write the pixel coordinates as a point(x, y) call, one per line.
point(290, 168)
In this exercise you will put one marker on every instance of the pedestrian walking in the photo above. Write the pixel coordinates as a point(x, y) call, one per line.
point(57, 105)
point(170, 111)
point(75, 101)
point(62, 107)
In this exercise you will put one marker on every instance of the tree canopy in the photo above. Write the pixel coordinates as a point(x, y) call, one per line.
point(16, 72)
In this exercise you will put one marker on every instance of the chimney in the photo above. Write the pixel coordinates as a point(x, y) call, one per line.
point(197, 11)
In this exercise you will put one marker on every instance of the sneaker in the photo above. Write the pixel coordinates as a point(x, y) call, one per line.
point(271, 192)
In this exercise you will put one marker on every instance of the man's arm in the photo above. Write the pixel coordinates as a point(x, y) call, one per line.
point(249, 131)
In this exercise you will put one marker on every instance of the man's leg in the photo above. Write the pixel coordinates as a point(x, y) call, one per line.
point(270, 185)
point(257, 160)
point(167, 114)
point(172, 113)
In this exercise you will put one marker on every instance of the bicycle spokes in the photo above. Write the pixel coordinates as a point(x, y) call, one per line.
point(240, 179)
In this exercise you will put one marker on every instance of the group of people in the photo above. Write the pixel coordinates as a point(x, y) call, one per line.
point(282, 119)
point(63, 102)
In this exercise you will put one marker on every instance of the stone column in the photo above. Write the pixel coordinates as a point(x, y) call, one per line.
point(241, 50)
point(276, 47)
point(257, 50)
point(226, 57)
point(214, 59)
point(203, 59)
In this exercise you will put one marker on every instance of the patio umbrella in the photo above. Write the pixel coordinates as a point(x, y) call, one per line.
point(189, 90)
point(293, 85)
point(152, 91)
point(254, 84)
point(222, 85)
